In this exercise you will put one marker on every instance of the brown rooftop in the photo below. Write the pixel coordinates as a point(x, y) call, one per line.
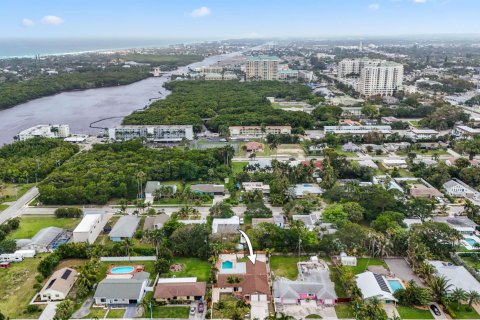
point(180, 289)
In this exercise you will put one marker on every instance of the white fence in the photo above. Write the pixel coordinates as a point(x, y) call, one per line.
point(136, 258)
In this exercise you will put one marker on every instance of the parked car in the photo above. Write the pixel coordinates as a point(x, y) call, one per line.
point(192, 311)
point(201, 307)
point(435, 310)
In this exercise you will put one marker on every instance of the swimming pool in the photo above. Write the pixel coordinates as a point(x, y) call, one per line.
point(470, 241)
point(395, 285)
point(122, 270)
point(227, 265)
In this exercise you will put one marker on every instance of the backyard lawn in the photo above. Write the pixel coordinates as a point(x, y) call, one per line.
point(237, 167)
point(285, 266)
point(16, 289)
point(193, 267)
point(169, 312)
point(30, 225)
point(463, 313)
point(363, 263)
point(344, 311)
point(414, 313)
point(3, 207)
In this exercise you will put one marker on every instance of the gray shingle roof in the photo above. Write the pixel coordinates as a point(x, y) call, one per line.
point(46, 235)
point(151, 186)
point(287, 289)
point(119, 288)
point(125, 227)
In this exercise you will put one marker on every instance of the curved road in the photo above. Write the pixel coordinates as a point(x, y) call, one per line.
point(16, 208)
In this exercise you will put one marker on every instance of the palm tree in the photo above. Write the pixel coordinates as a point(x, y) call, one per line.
point(440, 288)
point(472, 297)
point(126, 245)
point(458, 295)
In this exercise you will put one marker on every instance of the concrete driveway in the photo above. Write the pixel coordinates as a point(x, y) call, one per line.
point(391, 310)
point(301, 311)
point(84, 309)
point(49, 311)
point(402, 270)
point(442, 316)
point(259, 309)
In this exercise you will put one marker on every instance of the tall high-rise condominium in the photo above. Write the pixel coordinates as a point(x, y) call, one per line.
point(262, 68)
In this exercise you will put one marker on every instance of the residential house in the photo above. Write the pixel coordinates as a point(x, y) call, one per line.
point(301, 190)
point(358, 130)
point(313, 286)
point(459, 189)
point(373, 285)
point(310, 220)
point(243, 279)
point(257, 131)
point(257, 221)
point(396, 146)
point(254, 186)
point(124, 228)
point(367, 163)
point(432, 145)
point(351, 147)
point(184, 289)
point(422, 191)
point(389, 120)
point(122, 291)
point(394, 163)
point(45, 240)
point(155, 222)
point(458, 277)
point(226, 225)
point(90, 227)
point(211, 189)
point(279, 220)
point(58, 285)
point(254, 146)
point(150, 189)
point(347, 260)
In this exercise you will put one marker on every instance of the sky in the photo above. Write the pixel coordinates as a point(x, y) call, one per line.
point(228, 19)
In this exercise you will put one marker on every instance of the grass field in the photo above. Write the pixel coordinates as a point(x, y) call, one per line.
point(30, 225)
point(16, 287)
point(193, 267)
point(285, 266)
point(363, 263)
point(237, 167)
point(116, 313)
point(414, 313)
point(344, 311)
point(3, 207)
point(179, 312)
point(463, 313)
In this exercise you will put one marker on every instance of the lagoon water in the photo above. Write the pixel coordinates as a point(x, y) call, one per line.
point(80, 108)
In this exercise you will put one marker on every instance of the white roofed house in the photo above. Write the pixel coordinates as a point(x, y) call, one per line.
point(226, 226)
point(394, 163)
point(122, 291)
point(301, 190)
point(45, 240)
point(465, 132)
point(90, 227)
point(459, 189)
point(124, 228)
point(310, 220)
point(457, 276)
point(373, 285)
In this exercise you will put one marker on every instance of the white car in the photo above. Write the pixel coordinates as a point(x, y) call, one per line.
point(193, 310)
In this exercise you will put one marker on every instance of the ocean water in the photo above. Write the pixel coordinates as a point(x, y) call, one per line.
point(10, 48)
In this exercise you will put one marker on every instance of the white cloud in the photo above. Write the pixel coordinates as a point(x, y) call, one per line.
point(420, 1)
point(200, 12)
point(52, 20)
point(374, 6)
point(27, 22)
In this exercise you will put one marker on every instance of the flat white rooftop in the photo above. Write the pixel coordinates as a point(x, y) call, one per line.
point(87, 222)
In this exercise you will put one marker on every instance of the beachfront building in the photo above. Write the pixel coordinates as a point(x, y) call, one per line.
point(248, 132)
point(90, 227)
point(44, 131)
point(262, 68)
point(153, 133)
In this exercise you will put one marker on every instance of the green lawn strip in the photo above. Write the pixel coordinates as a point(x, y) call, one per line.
point(363, 263)
point(181, 312)
point(16, 287)
point(313, 316)
point(97, 313)
point(30, 225)
point(462, 313)
point(340, 151)
point(285, 266)
point(3, 207)
point(193, 267)
point(344, 311)
point(116, 313)
point(414, 313)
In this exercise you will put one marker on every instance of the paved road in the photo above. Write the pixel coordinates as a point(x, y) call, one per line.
point(18, 206)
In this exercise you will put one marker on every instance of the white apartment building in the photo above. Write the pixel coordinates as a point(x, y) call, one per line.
point(155, 133)
point(422, 134)
point(357, 130)
point(256, 131)
point(45, 131)
point(375, 77)
point(465, 132)
point(262, 68)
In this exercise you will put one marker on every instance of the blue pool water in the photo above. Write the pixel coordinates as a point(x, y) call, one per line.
point(122, 270)
point(470, 241)
point(395, 285)
point(59, 242)
point(227, 265)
